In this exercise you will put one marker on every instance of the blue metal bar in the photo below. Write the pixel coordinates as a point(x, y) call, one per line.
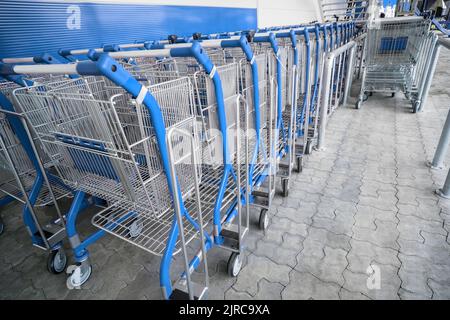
point(273, 43)
point(316, 67)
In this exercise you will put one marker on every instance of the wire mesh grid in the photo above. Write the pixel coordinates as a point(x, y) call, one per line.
point(205, 98)
point(20, 159)
point(108, 147)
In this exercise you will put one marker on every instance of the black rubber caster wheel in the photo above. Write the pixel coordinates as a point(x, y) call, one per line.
point(263, 219)
point(299, 164)
point(57, 261)
point(392, 94)
point(309, 147)
point(358, 104)
point(285, 187)
point(234, 264)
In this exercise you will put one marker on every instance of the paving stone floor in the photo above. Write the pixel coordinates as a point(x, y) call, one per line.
point(365, 204)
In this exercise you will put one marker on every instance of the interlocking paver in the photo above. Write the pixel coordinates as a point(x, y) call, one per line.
point(338, 226)
point(366, 216)
point(328, 268)
point(303, 285)
point(367, 199)
point(384, 200)
point(360, 282)
point(424, 210)
point(385, 234)
point(140, 287)
point(363, 252)
point(276, 252)
point(418, 229)
point(440, 290)
point(345, 294)
point(257, 268)
point(302, 215)
point(333, 208)
point(328, 238)
point(266, 291)
point(438, 255)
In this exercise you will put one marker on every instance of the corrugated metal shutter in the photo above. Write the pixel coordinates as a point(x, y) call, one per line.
point(32, 27)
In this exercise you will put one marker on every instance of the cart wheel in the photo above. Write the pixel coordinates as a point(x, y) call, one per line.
point(2, 226)
point(299, 166)
point(135, 228)
point(234, 264)
point(80, 274)
point(393, 94)
point(358, 104)
point(365, 97)
point(309, 147)
point(285, 187)
point(370, 93)
point(56, 261)
point(263, 219)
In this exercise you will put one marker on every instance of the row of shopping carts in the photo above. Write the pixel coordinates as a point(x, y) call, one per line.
point(173, 140)
point(397, 58)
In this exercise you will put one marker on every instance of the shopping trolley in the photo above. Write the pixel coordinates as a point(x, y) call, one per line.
point(278, 64)
point(321, 49)
point(222, 167)
point(337, 75)
point(252, 69)
point(312, 67)
point(257, 87)
point(328, 37)
point(219, 51)
point(28, 176)
point(396, 50)
point(303, 112)
point(147, 220)
point(16, 168)
point(339, 68)
point(290, 83)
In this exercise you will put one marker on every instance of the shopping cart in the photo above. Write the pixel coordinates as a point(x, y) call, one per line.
point(223, 167)
point(252, 69)
point(337, 75)
point(303, 112)
point(277, 69)
point(328, 37)
point(317, 50)
point(396, 52)
point(290, 90)
point(257, 87)
point(28, 176)
point(113, 164)
point(339, 69)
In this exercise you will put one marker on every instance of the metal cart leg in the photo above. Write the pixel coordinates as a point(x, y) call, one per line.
point(444, 192)
point(442, 148)
point(2, 226)
point(81, 271)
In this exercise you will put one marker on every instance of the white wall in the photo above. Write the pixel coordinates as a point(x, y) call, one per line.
point(286, 12)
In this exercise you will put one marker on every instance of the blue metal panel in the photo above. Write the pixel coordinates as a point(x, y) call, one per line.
point(31, 27)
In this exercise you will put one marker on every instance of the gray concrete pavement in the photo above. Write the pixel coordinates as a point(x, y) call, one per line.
point(365, 204)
